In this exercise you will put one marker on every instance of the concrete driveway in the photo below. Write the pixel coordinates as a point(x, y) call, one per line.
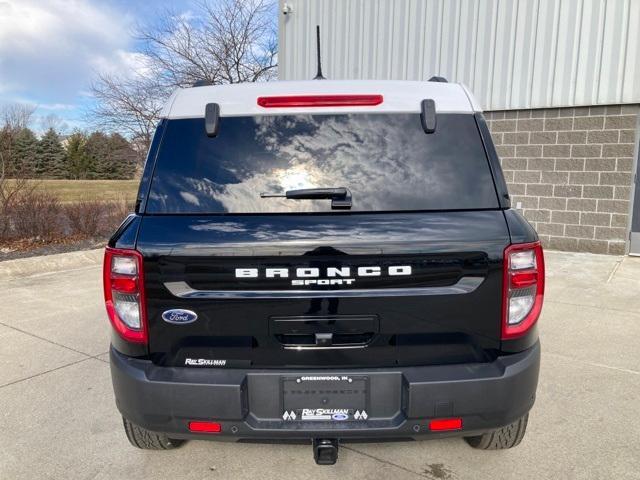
point(58, 418)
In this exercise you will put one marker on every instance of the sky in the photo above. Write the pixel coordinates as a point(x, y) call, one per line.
point(51, 49)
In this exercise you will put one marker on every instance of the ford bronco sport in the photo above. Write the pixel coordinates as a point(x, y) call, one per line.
point(324, 261)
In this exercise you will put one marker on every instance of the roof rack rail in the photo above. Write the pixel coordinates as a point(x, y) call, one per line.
point(435, 78)
point(201, 83)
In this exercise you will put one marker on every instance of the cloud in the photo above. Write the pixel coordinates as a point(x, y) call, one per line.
point(56, 106)
point(122, 63)
point(50, 49)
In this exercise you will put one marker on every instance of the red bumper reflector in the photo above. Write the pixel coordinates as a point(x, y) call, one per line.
point(205, 427)
point(292, 101)
point(443, 424)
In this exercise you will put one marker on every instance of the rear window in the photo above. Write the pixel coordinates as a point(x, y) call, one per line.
point(386, 161)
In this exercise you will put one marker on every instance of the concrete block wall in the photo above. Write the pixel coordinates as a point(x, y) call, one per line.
point(569, 170)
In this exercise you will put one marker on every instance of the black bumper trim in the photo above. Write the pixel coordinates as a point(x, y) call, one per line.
point(247, 402)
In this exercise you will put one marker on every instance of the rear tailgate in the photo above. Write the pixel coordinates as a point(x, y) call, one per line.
point(386, 289)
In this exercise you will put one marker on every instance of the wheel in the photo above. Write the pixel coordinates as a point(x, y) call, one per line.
point(505, 437)
point(142, 438)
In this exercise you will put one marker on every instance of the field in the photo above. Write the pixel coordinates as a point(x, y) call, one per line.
point(62, 215)
point(70, 191)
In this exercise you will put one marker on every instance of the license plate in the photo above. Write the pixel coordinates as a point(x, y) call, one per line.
point(328, 398)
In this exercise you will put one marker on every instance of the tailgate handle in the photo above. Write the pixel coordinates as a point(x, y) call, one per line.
point(328, 331)
point(331, 324)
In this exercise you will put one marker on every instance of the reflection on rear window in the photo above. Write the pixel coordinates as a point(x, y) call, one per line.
point(386, 161)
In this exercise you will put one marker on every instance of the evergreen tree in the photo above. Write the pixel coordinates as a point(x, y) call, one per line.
point(97, 151)
point(6, 150)
point(123, 157)
point(51, 161)
point(110, 157)
point(25, 154)
point(78, 162)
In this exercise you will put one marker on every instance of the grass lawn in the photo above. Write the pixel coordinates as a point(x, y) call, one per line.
point(69, 191)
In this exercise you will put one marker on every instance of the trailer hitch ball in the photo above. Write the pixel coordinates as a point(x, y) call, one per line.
point(325, 451)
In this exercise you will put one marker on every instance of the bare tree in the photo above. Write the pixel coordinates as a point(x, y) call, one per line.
point(129, 106)
point(231, 41)
point(53, 122)
point(228, 41)
point(16, 116)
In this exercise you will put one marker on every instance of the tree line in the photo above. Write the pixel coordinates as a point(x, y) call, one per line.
point(89, 156)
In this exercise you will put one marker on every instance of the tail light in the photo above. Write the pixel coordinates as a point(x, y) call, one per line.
point(291, 101)
point(124, 293)
point(523, 288)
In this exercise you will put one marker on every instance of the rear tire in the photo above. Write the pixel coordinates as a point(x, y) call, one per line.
point(505, 437)
point(142, 438)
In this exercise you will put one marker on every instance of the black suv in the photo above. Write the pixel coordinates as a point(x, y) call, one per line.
point(324, 261)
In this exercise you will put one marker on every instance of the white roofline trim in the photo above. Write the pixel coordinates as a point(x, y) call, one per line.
point(309, 111)
point(472, 99)
point(166, 110)
point(241, 99)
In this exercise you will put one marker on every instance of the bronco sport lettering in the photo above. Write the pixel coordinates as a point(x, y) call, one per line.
point(332, 272)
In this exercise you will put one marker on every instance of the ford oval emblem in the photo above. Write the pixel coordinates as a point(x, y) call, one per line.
point(179, 316)
point(339, 416)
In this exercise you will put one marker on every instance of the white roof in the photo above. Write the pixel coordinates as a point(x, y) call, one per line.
point(240, 99)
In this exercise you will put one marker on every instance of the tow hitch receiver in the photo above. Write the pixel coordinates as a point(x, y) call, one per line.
point(325, 451)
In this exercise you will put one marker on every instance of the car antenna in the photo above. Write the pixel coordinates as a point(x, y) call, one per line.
point(319, 75)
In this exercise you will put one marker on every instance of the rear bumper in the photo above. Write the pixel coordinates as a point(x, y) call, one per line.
point(401, 401)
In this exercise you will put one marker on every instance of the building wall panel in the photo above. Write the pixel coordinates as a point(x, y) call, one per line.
point(513, 54)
